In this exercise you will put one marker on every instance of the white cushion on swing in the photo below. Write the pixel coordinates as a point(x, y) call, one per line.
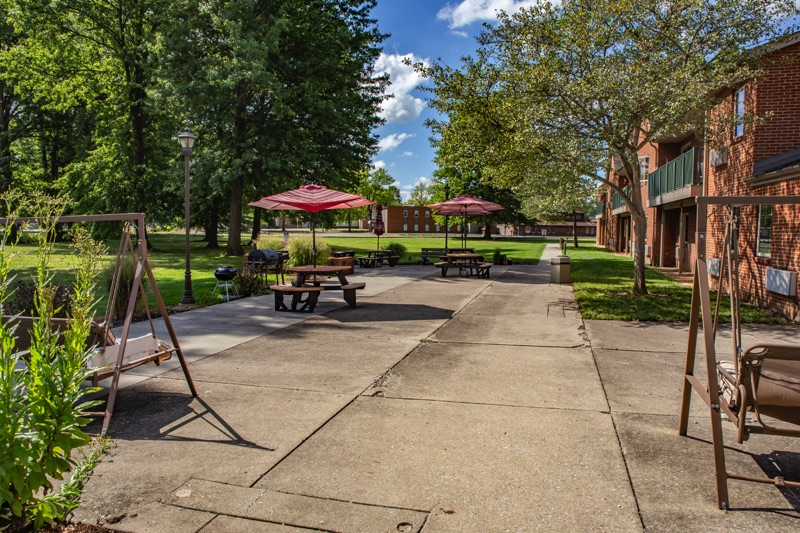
point(137, 348)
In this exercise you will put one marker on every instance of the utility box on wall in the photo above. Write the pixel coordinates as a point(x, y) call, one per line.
point(781, 281)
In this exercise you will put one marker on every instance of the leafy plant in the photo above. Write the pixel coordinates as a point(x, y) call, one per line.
point(25, 296)
point(397, 249)
point(124, 287)
point(248, 281)
point(300, 247)
point(497, 258)
point(274, 242)
point(40, 420)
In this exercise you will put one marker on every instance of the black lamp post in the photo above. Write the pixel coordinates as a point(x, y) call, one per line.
point(446, 218)
point(187, 139)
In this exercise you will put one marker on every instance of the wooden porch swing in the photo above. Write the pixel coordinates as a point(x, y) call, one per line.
point(761, 380)
point(116, 355)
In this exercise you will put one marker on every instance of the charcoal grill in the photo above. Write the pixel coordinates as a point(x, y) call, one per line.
point(225, 277)
point(261, 261)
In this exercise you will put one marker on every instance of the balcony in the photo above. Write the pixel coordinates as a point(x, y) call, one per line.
point(677, 180)
point(600, 209)
point(617, 203)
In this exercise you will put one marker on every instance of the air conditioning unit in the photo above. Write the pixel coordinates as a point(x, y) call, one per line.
point(713, 266)
point(781, 281)
point(718, 157)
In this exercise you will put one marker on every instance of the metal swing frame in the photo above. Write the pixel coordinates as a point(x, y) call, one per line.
point(747, 361)
point(101, 332)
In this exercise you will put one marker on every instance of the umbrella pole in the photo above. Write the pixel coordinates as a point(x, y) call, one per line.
point(313, 242)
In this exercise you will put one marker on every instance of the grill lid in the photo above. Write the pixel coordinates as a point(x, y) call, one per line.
point(225, 273)
point(267, 255)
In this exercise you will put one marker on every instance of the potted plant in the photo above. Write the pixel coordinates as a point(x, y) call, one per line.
point(498, 257)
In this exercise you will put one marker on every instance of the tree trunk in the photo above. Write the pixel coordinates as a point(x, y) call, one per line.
point(575, 228)
point(6, 170)
point(256, 225)
point(212, 230)
point(640, 233)
point(487, 231)
point(234, 247)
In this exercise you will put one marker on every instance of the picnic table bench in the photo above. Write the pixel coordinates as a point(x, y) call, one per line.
point(440, 253)
point(297, 293)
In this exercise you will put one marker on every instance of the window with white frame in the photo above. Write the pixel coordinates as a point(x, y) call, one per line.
point(764, 246)
point(644, 166)
point(738, 112)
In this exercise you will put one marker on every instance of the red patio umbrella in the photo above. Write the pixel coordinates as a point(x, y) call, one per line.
point(465, 206)
point(377, 227)
point(311, 198)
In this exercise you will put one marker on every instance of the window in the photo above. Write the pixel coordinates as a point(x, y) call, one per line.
point(738, 112)
point(764, 230)
point(644, 166)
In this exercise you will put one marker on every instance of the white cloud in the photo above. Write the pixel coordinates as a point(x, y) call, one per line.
point(390, 142)
point(378, 164)
point(408, 154)
point(468, 11)
point(402, 107)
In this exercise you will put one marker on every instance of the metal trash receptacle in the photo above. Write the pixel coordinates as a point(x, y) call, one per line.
point(559, 269)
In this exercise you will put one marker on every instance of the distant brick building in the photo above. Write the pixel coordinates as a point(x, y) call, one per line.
point(412, 219)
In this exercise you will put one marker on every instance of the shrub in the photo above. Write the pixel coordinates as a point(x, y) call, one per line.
point(497, 258)
point(40, 422)
point(248, 281)
point(25, 297)
point(397, 249)
point(300, 251)
point(274, 242)
point(124, 288)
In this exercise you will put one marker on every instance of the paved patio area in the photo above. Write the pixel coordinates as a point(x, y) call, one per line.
point(439, 405)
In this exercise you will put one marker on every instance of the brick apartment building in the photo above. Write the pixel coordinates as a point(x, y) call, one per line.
point(412, 219)
point(762, 159)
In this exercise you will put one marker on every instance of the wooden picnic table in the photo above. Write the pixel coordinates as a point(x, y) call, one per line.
point(469, 263)
point(315, 276)
point(375, 258)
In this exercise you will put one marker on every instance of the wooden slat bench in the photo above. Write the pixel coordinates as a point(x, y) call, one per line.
point(297, 297)
point(348, 291)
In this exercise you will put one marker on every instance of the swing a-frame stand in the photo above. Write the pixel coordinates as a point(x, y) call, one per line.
point(754, 380)
point(118, 355)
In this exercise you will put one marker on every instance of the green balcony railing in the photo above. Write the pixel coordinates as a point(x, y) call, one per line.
point(616, 200)
point(675, 175)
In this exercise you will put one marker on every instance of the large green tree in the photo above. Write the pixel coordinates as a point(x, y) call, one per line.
point(283, 93)
point(100, 56)
point(556, 90)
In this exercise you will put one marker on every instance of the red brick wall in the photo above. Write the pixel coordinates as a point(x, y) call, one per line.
point(777, 93)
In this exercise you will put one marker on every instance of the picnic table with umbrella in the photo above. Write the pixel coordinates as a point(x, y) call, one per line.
point(313, 199)
point(465, 206)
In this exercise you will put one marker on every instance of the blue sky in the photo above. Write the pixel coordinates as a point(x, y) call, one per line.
point(422, 30)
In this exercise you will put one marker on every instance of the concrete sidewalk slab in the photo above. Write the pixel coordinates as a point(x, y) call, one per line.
point(512, 376)
point(510, 330)
point(674, 477)
point(472, 462)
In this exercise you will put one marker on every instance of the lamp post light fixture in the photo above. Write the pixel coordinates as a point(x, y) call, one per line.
point(446, 218)
point(187, 139)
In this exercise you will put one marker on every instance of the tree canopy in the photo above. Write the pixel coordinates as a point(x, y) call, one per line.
point(556, 90)
point(279, 93)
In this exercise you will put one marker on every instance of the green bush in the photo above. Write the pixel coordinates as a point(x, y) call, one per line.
point(397, 249)
point(24, 301)
point(274, 242)
point(41, 398)
point(300, 251)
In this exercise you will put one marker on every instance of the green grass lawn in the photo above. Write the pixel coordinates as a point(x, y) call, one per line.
point(168, 259)
point(603, 284)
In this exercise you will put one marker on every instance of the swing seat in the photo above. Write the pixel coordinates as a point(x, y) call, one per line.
point(138, 351)
point(764, 381)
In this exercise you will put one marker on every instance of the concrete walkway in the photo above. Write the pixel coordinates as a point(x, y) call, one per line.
point(440, 405)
